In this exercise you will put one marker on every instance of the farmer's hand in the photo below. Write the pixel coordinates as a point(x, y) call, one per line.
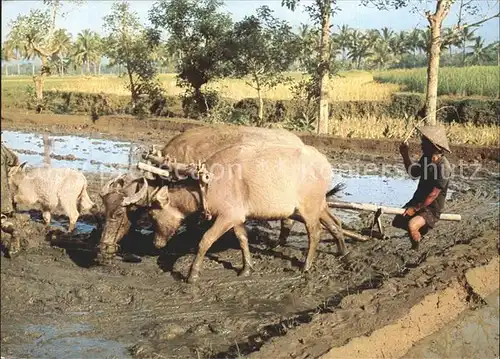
point(404, 148)
point(410, 212)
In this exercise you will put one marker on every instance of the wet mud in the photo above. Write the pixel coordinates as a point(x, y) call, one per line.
point(56, 301)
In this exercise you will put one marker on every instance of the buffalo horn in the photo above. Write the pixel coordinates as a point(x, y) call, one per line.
point(136, 197)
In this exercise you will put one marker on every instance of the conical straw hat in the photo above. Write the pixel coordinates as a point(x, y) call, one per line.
point(437, 135)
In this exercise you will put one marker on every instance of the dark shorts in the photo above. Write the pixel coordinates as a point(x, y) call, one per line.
point(429, 216)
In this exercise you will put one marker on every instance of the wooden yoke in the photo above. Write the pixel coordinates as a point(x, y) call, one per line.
point(170, 170)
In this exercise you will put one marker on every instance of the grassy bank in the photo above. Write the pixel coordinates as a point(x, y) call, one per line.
point(456, 81)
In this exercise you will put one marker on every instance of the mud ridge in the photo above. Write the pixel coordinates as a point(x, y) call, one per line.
point(446, 305)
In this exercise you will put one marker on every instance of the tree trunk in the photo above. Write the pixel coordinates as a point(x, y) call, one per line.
point(6, 70)
point(324, 70)
point(132, 87)
point(99, 68)
point(88, 67)
point(33, 69)
point(261, 101)
point(435, 21)
point(18, 69)
point(463, 52)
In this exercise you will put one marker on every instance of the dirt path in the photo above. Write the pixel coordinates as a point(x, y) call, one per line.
point(56, 302)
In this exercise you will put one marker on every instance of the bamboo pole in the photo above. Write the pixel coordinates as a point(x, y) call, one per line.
point(385, 210)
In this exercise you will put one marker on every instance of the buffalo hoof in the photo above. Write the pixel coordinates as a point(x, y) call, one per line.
point(246, 271)
point(160, 244)
point(105, 260)
point(193, 278)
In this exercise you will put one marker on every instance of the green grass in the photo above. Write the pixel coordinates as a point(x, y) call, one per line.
point(456, 81)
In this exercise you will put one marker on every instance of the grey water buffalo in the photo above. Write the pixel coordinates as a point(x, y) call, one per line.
point(51, 188)
point(195, 144)
point(269, 182)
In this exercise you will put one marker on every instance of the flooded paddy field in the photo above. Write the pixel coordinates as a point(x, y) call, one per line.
point(58, 302)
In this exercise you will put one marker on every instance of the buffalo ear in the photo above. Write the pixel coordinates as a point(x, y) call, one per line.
point(22, 166)
point(162, 197)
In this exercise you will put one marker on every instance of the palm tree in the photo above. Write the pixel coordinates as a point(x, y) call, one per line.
point(466, 36)
point(86, 45)
point(478, 54)
point(425, 40)
point(386, 35)
point(449, 39)
point(343, 39)
point(359, 48)
point(62, 41)
point(413, 40)
point(381, 55)
point(399, 44)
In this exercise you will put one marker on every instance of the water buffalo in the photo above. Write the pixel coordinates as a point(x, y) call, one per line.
point(51, 188)
point(255, 181)
point(192, 145)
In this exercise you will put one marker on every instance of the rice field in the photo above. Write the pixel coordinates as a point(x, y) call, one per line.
point(380, 127)
point(480, 81)
point(349, 86)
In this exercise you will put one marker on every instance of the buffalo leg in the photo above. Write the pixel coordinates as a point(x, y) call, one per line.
point(313, 233)
point(286, 228)
point(72, 213)
point(241, 234)
point(329, 221)
point(47, 217)
point(220, 227)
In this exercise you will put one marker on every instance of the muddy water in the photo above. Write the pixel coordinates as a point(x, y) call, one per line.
point(83, 153)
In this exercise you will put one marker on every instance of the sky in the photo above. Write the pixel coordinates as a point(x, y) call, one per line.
point(90, 14)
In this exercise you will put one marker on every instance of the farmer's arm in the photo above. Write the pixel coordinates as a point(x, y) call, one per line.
point(412, 168)
point(440, 183)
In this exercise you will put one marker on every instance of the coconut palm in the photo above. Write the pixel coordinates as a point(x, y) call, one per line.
point(86, 46)
point(479, 54)
point(386, 35)
point(343, 39)
point(466, 36)
point(359, 48)
point(381, 56)
point(62, 42)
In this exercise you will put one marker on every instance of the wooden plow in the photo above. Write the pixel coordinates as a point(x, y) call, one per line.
point(376, 230)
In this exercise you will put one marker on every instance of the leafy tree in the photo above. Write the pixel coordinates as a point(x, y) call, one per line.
point(198, 33)
point(36, 31)
point(321, 12)
point(133, 46)
point(435, 19)
point(264, 47)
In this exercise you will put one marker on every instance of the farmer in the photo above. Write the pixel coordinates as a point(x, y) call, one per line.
point(423, 210)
